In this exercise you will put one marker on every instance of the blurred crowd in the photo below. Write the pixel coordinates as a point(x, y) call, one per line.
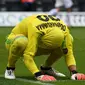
point(39, 5)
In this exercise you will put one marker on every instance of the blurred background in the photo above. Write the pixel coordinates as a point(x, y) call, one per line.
point(36, 5)
point(70, 11)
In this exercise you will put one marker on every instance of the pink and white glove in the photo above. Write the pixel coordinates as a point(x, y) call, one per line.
point(78, 76)
point(45, 78)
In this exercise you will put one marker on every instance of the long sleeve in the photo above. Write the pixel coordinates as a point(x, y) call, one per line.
point(69, 57)
point(30, 51)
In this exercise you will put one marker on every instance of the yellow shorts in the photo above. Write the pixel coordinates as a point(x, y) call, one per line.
point(52, 39)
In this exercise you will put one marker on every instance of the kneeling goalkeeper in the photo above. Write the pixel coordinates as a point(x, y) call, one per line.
point(39, 35)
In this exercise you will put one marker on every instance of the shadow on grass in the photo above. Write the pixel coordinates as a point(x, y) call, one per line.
point(27, 77)
point(63, 78)
point(33, 78)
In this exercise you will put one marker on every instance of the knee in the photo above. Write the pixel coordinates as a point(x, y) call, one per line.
point(21, 42)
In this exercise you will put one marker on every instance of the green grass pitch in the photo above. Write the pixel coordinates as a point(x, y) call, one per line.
point(24, 77)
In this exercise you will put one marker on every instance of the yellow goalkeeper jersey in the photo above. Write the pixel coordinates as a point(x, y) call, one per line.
point(35, 26)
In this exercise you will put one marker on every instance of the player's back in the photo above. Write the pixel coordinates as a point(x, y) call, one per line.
point(44, 23)
point(52, 29)
point(38, 23)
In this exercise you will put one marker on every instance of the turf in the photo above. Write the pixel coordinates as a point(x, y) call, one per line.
point(24, 77)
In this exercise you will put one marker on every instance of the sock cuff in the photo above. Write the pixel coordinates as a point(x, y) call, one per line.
point(8, 68)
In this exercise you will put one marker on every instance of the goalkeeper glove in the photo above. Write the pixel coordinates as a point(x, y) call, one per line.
point(77, 76)
point(46, 78)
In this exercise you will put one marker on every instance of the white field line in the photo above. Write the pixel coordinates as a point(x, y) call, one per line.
point(42, 83)
point(31, 81)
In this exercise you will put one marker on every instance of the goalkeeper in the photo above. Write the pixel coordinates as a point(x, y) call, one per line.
point(41, 35)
